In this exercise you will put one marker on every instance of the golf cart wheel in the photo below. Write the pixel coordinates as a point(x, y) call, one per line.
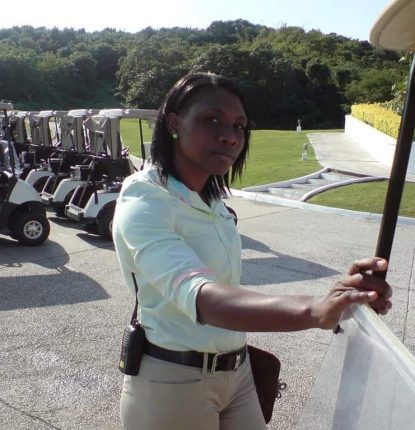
point(104, 223)
point(31, 228)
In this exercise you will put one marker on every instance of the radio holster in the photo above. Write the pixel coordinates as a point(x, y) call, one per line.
point(133, 341)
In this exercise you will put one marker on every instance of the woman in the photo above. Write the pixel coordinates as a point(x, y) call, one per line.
point(175, 236)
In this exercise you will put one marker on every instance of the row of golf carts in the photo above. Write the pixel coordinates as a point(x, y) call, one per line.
point(72, 163)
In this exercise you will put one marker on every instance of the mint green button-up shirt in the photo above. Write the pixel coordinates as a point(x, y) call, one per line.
point(174, 243)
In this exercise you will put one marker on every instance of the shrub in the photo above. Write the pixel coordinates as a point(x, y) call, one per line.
point(378, 117)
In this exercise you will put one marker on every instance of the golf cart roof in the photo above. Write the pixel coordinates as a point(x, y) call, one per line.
point(21, 113)
point(104, 135)
point(395, 29)
point(83, 112)
point(39, 128)
point(17, 119)
point(72, 135)
point(50, 113)
point(6, 105)
point(147, 114)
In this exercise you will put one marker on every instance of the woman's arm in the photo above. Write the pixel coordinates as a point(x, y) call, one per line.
point(237, 309)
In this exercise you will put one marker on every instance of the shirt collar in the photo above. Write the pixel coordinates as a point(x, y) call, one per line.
point(186, 195)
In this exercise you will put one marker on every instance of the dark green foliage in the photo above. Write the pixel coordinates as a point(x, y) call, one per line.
point(286, 73)
point(60, 69)
point(149, 70)
point(229, 32)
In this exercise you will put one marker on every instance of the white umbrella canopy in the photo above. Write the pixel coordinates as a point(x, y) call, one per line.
point(354, 389)
point(395, 29)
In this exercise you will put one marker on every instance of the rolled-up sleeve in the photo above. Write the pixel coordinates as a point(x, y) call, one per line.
point(145, 220)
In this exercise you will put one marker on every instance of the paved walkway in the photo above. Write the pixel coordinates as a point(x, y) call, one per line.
point(338, 151)
point(317, 234)
point(62, 372)
point(63, 307)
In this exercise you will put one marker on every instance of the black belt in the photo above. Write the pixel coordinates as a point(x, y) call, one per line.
point(216, 362)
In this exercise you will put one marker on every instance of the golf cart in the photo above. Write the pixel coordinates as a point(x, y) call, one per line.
point(45, 145)
point(93, 203)
point(70, 149)
point(73, 163)
point(22, 216)
point(20, 130)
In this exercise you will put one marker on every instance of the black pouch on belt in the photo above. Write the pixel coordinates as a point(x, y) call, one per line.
point(266, 371)
point(133, 341)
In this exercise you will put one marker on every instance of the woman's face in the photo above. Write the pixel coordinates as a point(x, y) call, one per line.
point(210, 136)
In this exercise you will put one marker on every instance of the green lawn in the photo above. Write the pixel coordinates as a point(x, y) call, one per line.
point(276, 156)
point(130, 134)
point(366, 197)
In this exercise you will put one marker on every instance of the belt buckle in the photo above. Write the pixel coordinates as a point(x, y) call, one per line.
point(237, 361)
point(215, 360)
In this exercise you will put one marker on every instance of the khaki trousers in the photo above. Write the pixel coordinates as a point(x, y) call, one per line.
point(168, 396)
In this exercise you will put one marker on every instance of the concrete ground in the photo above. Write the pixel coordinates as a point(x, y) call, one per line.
point(63, 307)
point(338, 151)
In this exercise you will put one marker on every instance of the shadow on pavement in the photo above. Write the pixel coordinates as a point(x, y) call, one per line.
point(95, 239)
point(65, 287)
point(88, 234)
point(276, 267)
point(50, 254)
point(65, 222)
point(34, 287)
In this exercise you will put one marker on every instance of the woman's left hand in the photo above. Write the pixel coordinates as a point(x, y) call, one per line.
point(360, 286)
point(369, 281)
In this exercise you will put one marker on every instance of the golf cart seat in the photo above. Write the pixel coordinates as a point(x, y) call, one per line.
point(114, 169)
point(5, 181)
point(5, 176)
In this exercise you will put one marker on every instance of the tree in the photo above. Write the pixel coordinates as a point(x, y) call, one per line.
point(225, 60)
point(326, 100)
point(373, 86)
point(285, 72)
point(147, 72)
point(19, 80)
point(229, 32)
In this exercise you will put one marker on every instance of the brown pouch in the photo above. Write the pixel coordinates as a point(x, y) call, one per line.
point(266, 371)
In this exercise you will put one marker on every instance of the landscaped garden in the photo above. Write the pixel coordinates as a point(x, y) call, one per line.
point(275, 156)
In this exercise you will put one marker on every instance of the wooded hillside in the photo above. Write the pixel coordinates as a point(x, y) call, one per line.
point(286, 73)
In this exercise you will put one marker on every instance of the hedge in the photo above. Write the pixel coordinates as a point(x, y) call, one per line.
point(378, 117)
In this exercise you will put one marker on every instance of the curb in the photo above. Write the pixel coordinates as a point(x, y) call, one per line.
point(280, 201)
point(283, 184)
point(359, 178)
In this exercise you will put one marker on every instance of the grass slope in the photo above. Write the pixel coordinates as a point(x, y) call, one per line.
point(130, 134)
point(366, 197)
point(276, 156)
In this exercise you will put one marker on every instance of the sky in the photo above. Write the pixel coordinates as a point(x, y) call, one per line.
point(350, 18)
